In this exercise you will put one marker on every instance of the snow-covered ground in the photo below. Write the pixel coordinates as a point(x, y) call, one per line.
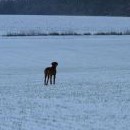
point(92, 90)
point(67, 24)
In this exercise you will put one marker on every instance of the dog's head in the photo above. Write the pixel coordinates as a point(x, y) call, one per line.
point(54, 64)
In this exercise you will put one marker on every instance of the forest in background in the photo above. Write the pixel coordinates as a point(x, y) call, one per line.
point(66, 7)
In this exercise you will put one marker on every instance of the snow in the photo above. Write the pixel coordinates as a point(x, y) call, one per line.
point(92, 87)
point(66, 24)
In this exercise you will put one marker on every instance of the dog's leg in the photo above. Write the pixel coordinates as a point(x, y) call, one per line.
point(54, 78)
point(47, 79)
point(50, 79)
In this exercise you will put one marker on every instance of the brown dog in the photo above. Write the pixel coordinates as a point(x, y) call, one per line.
point(50, 72)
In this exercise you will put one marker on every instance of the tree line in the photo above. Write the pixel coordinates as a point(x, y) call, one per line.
point(66, 7)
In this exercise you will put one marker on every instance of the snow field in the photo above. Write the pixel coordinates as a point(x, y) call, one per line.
point(33, 24)
point(92, 85)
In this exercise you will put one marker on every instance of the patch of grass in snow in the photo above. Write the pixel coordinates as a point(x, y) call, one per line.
point(33, 33)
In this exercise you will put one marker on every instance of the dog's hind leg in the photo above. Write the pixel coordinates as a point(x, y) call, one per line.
point(45, 78)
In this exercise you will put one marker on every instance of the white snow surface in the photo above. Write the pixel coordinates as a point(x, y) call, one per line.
point(92, 90)
point(66, 24)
